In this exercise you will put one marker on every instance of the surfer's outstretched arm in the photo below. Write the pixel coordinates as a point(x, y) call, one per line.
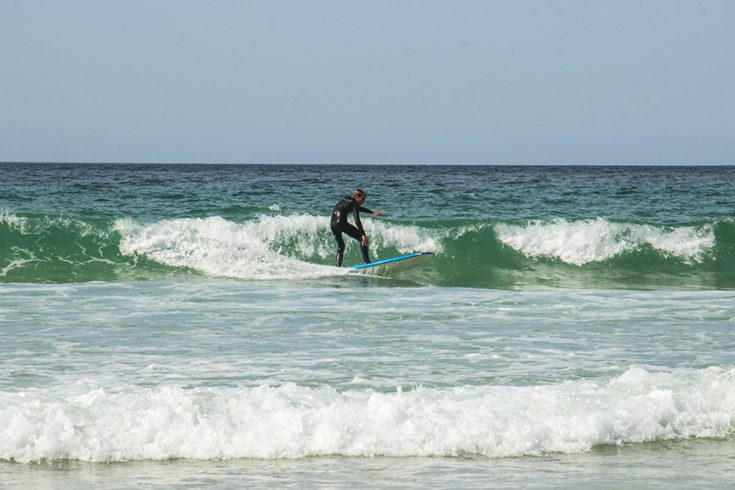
point(375, 213)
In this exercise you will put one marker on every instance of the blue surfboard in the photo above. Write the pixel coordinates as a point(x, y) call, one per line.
point(395, 264)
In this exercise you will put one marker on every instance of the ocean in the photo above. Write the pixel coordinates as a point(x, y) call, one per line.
point(184, 326)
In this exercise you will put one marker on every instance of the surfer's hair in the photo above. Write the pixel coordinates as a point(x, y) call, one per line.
point(358, 192)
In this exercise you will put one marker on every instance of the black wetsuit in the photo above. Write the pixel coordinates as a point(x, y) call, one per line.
point(339, 225)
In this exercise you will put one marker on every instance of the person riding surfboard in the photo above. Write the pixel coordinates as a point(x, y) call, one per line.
point(339, 224)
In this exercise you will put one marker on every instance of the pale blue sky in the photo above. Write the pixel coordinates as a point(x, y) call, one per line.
point(498, 82)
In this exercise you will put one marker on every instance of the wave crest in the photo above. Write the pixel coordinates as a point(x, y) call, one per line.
point(291, 421)
point(271, 247)
point(470, 253)
point(585, 241)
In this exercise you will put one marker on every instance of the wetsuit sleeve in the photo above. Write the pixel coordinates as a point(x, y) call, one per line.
point(365, 210)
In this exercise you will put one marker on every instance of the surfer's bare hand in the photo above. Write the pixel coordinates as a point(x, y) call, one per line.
point(364, 240)
point(378, 213)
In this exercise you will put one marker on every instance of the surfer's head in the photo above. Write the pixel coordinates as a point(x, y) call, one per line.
point(359, 195)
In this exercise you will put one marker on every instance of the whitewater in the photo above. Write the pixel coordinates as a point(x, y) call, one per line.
point(184, 326)
point(301, 247)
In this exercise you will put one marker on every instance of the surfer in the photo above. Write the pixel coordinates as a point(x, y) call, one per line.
point(345, 206)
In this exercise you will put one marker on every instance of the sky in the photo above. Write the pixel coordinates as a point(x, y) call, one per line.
point(356, 82)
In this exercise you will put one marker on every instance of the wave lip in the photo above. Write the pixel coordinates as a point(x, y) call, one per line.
point(597, 240)
point(271, 247)
point(14, 222)
point(291, 421)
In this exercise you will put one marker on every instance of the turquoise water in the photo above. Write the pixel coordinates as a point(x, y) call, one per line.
point(183, 326)
point(491, 227)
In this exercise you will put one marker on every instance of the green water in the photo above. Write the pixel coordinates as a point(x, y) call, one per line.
point(184, 326)
point(494, 227)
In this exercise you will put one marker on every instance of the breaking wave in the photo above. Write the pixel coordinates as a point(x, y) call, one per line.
point(598, 240)
point(473, 253)
point(290, 421)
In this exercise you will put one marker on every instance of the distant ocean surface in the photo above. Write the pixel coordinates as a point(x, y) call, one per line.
point(184, 326)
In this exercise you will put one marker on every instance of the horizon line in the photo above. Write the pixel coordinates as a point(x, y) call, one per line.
point(397, 164)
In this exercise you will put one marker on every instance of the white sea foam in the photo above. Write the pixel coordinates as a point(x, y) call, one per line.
point(21, 258)
point(214, 246)
point(14, 222)
point(585, 241)
point(270, 247)
point(290, 421)
point(404, 238)
point(29, 226)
